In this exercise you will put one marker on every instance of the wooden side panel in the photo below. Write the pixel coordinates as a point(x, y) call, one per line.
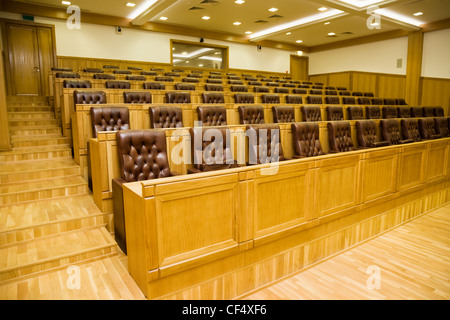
point(391, 86)
point(412, 166)
point(364, 82)
point(436, 92)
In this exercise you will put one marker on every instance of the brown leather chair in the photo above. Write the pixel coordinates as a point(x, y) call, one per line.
point(270, 98)
point(264, 144)
point(317, 87)
point(373, 112)
point(238, 88)
point(212, 115)
point(185, 86)
point(363, 101)
point(389, 102)
point(251, 114)
point(349, 100)
point(261, 89)
point(390, 131)
point(428, 112)
point(93, 70)
point(303, 86)
point(357, 94)
point(178, 97)
point(117, 71)
point(109, 119)
point(331, 93)
point(172, 74)
point(332, 100)
point(294, 99)
point(403, 112)
point(341, 88)
point(118, 85)
point(244, 98)
point(67, 75)
point(340, 136)
point(416, 112)
point(149, 73)
point(189, 79)
point(376, 101)
point(288, 85)
point(213, 97)
point(214, 81)
point(400, 102)
point(154, 86)
point(215, 76)
point(389, 112)
point(110, 67)
point(62, 69)
point(438, 112)
point(314, 100)
point(272, 84)
point(344, 93)
point(216, 157)
point(366, 131)
point(142, 156)
point(441, 126)
point(255, 83)
point(164, 79)
point(104, 76)
point(137, 97)
point(136, 78)
point(369, 94)
point(311, 113)
point(135, 68)
point(427, 129)
point(213, 87)
point(355, 113)
point(305, 136)
point(281, 90)
point(283, 114)
point(335, 113)
point(315, 92)
point(89, 97)
point(236, 83)
point(410, 129)
point(299, 91)
point(83, 84)
point(166, 117)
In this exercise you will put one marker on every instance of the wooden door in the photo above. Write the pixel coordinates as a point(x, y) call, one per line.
point(299, 67)
point(30, 55)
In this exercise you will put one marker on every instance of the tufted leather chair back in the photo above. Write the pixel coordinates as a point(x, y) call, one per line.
point(304, 86)
point(416, 112)
point(335, 113)
point(344, 93)
point(373, 112)
point(376, 101)
point(244, 98)
point(331, 92)
point(117, 71)
point(357, 94)
point(390, 131)
point(389, 112)
point(428, 111)
point(236, 82)
point(363, 101)
point(270, 98)
point(272, 84)
point(340, 136)
point(306, 141)
point(166, 117)
point(67, 75)
point(251, 114)
point(62, 69)
point(299, 91)
point(213, 87)
point(136, 78)
point(261, 89)
point(294, 99)
point(288, 85)
point(135, 68)
point(212, 154)
point(427, 129)
point(403, 112)
point(281, 90)
point(369, 94)
point(254, 83)
point(311, 113)
point(213, 97)
point(93, 70)
point(215, 76)
point(341, 88)
point(172, 74)
point(118, 85)
point(389, 102)
point(89, 97)
point(178, 97)
point(400, 102)
point(264, 144)
point(104, 76)
point(332, 100)
point(110, 67)
point(442, 128)
point(366, 131)
point(164, 78)
point(355, 113)
point(185, 86)
point(283, 114)
point(85, 84)
point(315, 92)
point(438, 112)
point(191, 80)
point(238, 88)
point(137, 97)
point(314, 100)
point(149, 73)
point(410, 129)
point(211, 116)
point(348, 100)
point(195, 75)
point(142, 155)
point(109, 119)
point(154, 86)
point(214, 81)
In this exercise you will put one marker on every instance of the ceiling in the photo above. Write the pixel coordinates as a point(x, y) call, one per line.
point(289, 24)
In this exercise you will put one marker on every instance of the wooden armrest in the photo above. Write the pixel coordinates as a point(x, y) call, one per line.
point(295, 156)
point(407, 141)
point(174, 173)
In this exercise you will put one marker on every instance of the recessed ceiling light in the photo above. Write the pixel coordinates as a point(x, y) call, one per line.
point(237, 23)
point(327, 23)
point(163, 18)
point(418, 14)
point(273, 9)
point(206, 18)
point(248, 32)
point(187, 61)
point(331, 34)
point(200, 65)
point(288, 33)
point(216, 52)
point(184, 52)
point(239, 1)
point(394, 15)
point(323, 9)
point(131, 4)
point(141, 8)
point(67, 3)
point(299, 41)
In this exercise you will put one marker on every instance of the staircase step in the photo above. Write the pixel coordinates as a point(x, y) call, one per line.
point(40, 140)
point(31, 115)
point(29, 108)
point(55, 252)
point(33, 122)
point(32, 220)
point(43, 189)
point(37, 170)
point(37, 153)
point(35, 130)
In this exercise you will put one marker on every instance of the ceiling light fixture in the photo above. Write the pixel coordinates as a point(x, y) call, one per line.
point(200, 65)
point(237, 23)
point(288, 33)
point(327, 23)
point(239, 1)
point(273, 9)
point(129, 4)
point(300, 22)
point(67, 3)
point(331, 34)
point(248, 32)
point(141, 8)
point(299, 41)
point(418, 14)
point(359, 3)
point(393, 15)
point(206, 18)
point(163, 18)
point(323, 9)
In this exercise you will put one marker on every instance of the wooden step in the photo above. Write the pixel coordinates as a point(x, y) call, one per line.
point(40, 140)
point(33, 122)
point(55, 252)
point(36, 130)
point(43, 189)
point(13, 172)
point(28, 108)
point(36, 219)
point(37, 153)
point(31, 115)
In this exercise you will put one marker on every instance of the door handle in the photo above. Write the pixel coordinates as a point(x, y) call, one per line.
point(37, 69)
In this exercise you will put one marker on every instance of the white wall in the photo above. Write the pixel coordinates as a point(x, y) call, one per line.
point(380, 57)
point(436, 54)
point(98, 41)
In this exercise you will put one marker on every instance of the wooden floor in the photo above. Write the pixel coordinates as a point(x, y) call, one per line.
point(412, 261)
